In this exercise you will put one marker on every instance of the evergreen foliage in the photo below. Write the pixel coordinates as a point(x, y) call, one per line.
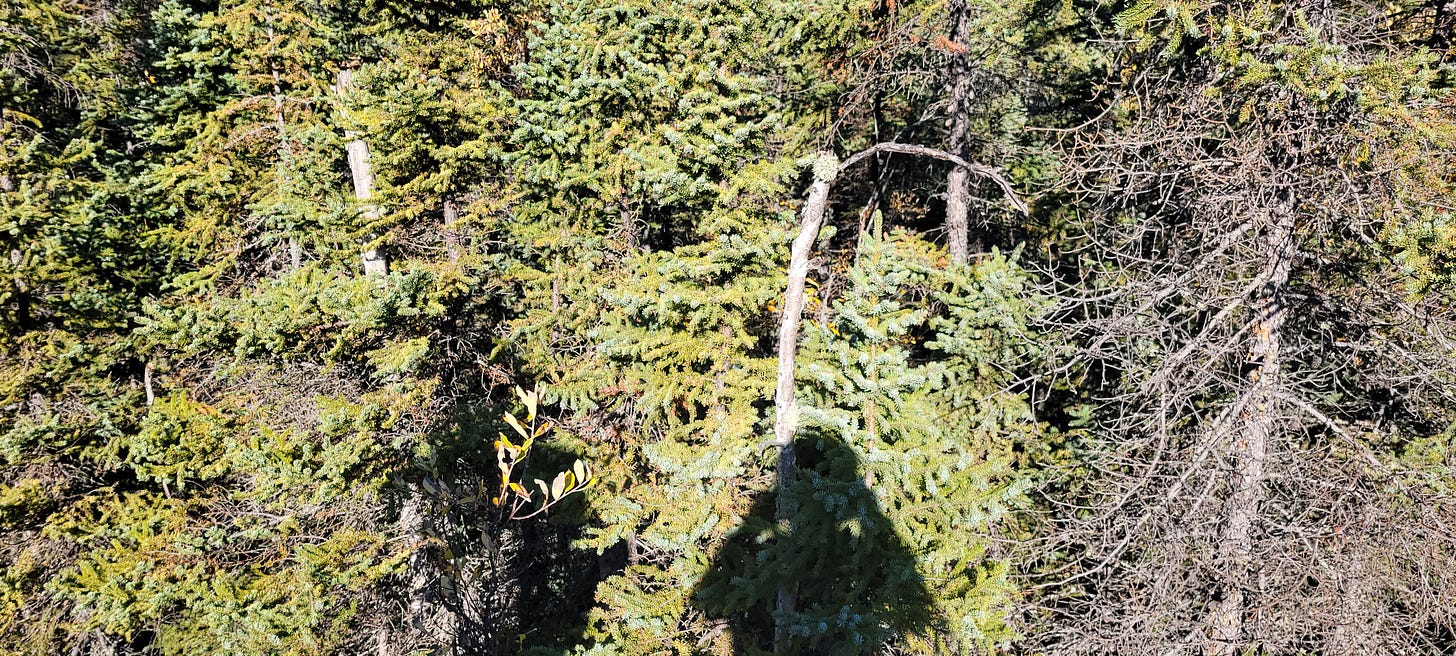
point(1195, 399)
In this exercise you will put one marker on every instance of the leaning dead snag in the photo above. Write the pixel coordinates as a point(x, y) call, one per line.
point(786, 412)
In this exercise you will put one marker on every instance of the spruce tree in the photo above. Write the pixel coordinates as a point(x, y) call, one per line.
point(662, 166)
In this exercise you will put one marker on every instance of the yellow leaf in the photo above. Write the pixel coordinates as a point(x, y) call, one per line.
point(516, 424)
point(530, 398)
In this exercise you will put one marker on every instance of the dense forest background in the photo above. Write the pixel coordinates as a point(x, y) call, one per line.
point(726, 327)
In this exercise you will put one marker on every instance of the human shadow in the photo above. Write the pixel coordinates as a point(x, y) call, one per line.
point(854, 579)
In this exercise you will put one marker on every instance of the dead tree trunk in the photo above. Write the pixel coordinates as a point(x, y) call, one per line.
point(423, 616)
point(1252, 437)
point(786, 411)
point(375, 264)
point(958, 88)
point(1359, 591)
point(452, 230)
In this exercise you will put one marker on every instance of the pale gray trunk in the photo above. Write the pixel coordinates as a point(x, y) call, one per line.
point(277, 82)
point(1252, 436)
point(452, 232)
point(375, 263)
point(424, 618)
point(957, 215)
point(426, 622)
point(1351, 634)
point(556, 286)
point(295, 253)
point(147, 384)
point(957, 185)
point(786, 410)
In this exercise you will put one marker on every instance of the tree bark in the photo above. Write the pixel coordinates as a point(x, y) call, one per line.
point(452, 234)
point(1351, 636)
point(423, 615)
point(375, 263)
point(147, 384)
point(958, 88)
point(786, 410)
point(1256, 429)
point(295, 253)
point(412, 523)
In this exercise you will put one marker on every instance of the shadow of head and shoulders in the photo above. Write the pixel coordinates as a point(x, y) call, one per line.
point(853, 577)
